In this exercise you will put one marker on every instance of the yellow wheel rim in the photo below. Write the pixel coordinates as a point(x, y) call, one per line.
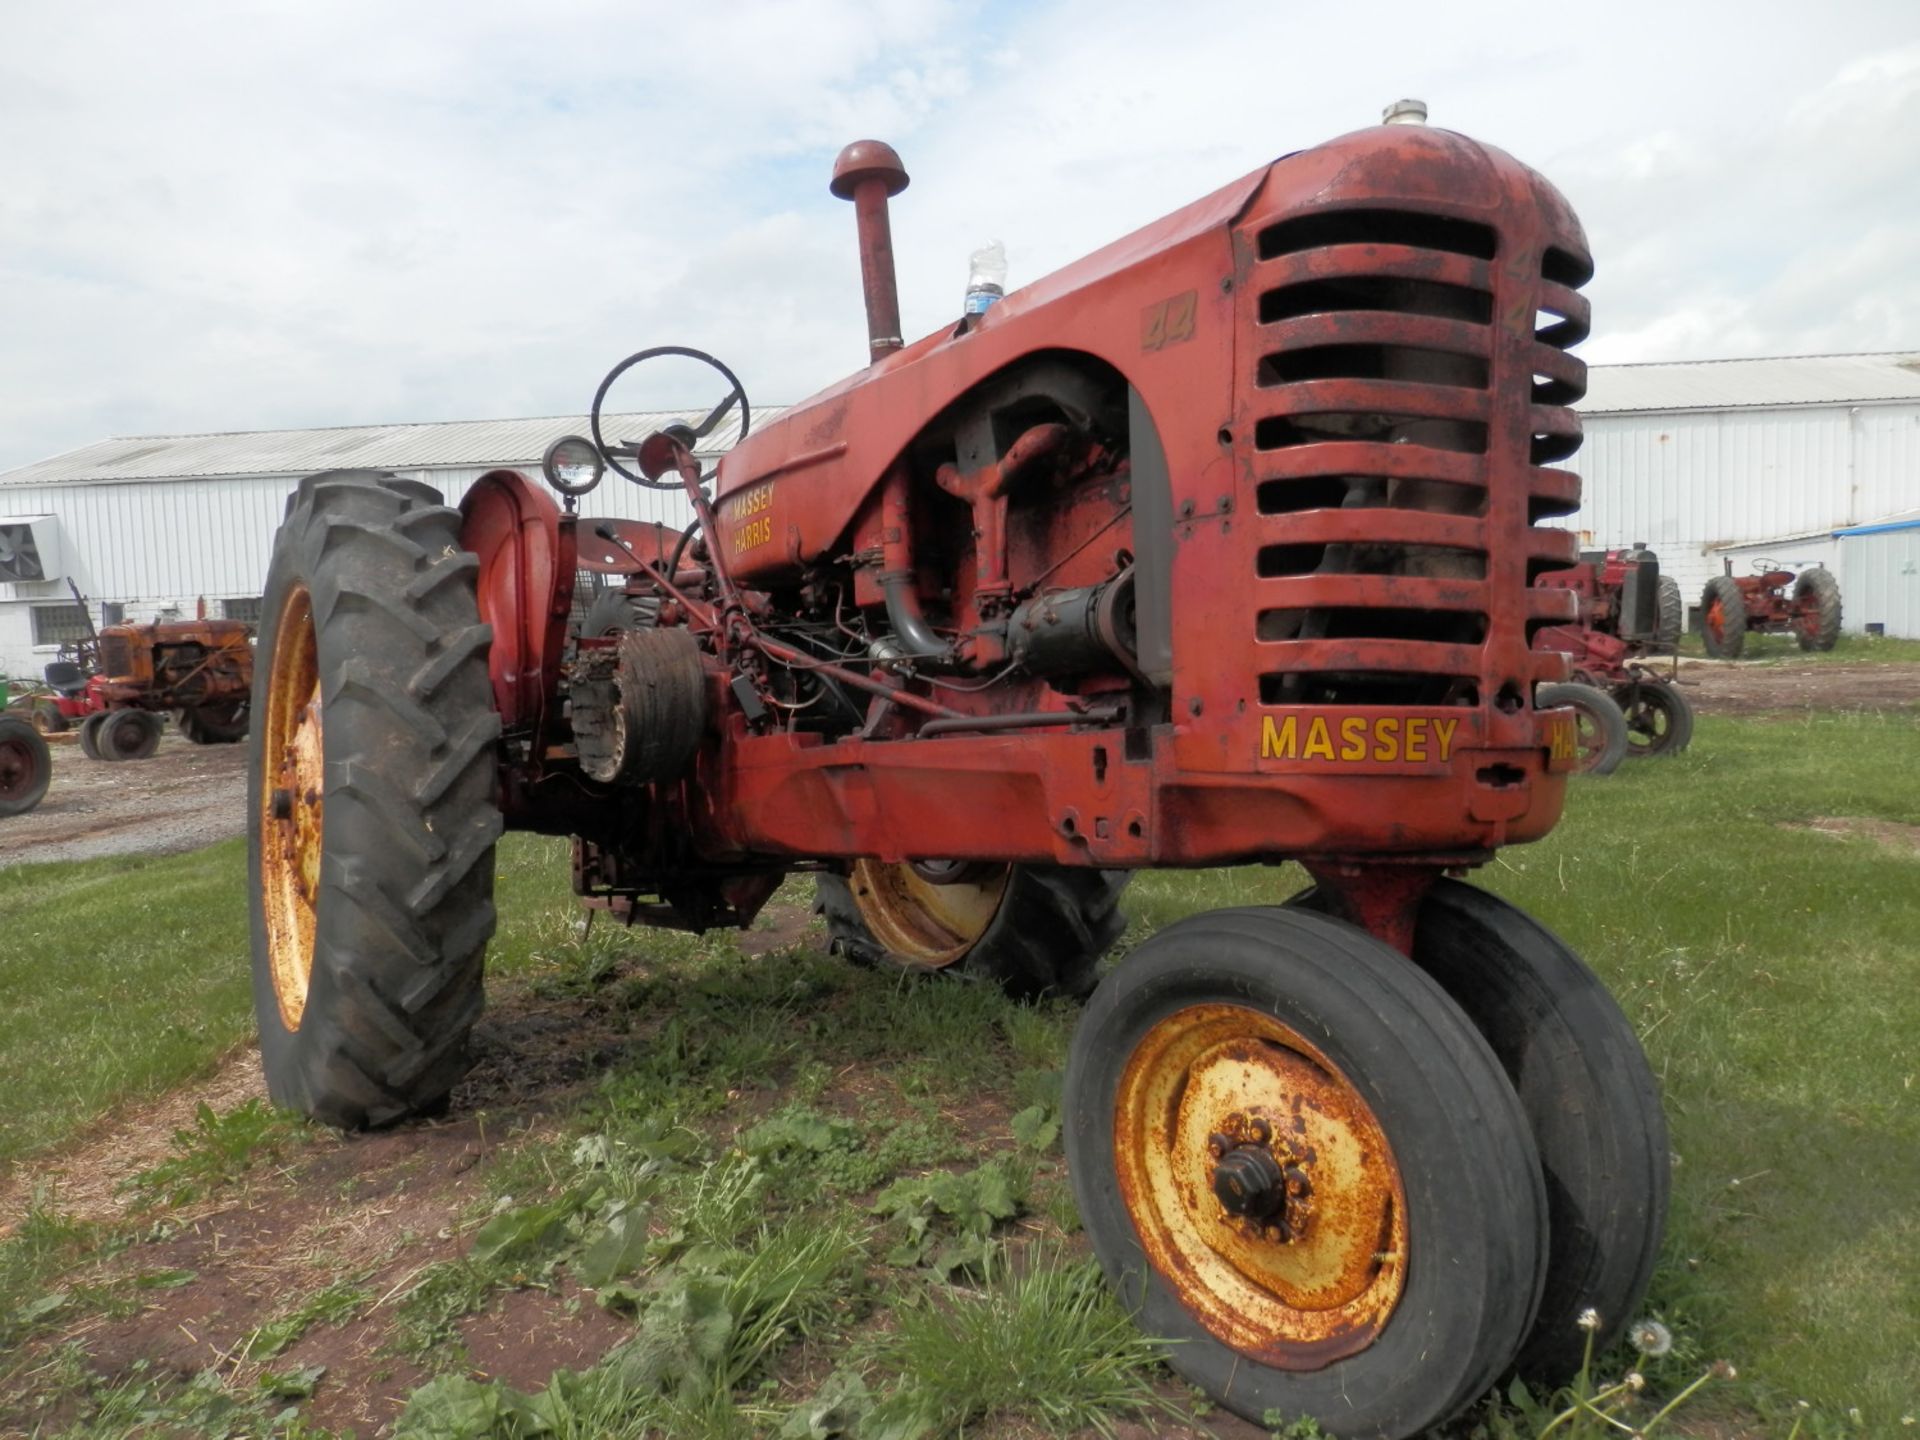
point(926, 924)
point(1217, 1101)
point(292, 781)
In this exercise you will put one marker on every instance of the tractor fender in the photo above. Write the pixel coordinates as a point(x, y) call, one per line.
point(525, 585)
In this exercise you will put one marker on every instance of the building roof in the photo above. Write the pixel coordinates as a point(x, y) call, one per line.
point(1780, 380)
point(1905, 520)
point(136, 458)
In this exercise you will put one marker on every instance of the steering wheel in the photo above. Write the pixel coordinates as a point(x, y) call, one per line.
point(687, 435)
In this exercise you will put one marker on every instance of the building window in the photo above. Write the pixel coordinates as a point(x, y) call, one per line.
point(113, 612)
point(245, 607)
point(60, 624)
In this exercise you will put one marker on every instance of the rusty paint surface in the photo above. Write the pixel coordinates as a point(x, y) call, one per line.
point(928, 925)
point(292, 803)
point(1299, 1295)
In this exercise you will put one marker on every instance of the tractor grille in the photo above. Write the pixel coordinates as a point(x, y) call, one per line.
point(116, 655)
point(1399, 433)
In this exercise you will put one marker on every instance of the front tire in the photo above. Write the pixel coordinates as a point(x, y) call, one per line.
point(1405, 1280)
point(1600, 728)
point(1591, 1100)
point(128, 735)
point(1659, 719)
point(1031, 929)
point(372, 814)
point(90, 734)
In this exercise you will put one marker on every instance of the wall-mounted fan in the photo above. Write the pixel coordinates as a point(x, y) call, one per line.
point(29, 549)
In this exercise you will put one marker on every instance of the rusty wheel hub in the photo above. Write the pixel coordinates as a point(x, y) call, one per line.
point(1262, 1187)
point(292, 783)
point(928, 914)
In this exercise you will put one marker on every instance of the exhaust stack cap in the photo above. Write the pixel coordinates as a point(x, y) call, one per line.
point(1405, 112)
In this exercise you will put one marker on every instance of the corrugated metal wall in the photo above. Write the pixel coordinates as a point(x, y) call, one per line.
point(1881, 580)
point(1684, 482)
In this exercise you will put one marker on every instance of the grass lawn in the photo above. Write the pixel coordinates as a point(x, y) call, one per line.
point(1847, 650)
point(815, 1188)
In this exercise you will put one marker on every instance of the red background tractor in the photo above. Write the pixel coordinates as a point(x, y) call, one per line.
point(1216, 546)
point(1771, 601)
point(1629, 614)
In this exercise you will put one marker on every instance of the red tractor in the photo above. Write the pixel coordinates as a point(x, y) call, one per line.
point(1771, 601)
point(1629, 613)
point(117, 684)
point(1215, 547)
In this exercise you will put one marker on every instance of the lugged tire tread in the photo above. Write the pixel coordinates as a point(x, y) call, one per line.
point(404, 920)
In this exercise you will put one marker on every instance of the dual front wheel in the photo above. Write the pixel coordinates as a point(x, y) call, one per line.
point(1360, 1189)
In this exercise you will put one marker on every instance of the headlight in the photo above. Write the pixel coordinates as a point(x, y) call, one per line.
point(572, 465)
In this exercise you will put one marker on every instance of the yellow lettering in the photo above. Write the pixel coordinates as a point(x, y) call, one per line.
point(1416, 739)
point(1386, 739)
point(1277, 741)
point(1319, 744)
point(1443, 736)
point(1353, 738)
point(1565, 746)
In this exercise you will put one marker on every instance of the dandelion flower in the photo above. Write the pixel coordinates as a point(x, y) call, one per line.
point(1651, 1338)
point(1723, 1370)
point(1635, 1381)
point(1589, 1319)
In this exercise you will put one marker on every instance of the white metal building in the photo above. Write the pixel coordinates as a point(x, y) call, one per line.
point(149, 527)
point(1750, 460)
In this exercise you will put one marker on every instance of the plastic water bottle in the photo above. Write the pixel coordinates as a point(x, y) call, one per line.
point(987, 279)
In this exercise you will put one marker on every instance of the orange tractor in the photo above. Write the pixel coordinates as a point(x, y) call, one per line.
point(117, 684)
point(1215, 547)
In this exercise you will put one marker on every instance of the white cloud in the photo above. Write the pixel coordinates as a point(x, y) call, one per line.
point(241, 215)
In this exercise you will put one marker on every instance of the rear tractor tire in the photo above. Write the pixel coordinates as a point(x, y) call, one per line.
point(90, 734)
point(1723, 618)
point(1031, 929)
point(1302, 1168)
point(128, 735)
point(1671, 611)
point(371, 802)
point(26, 766)
point(214, 724)
point(1816, 609)
point(1659, 719)
point(1600, 728)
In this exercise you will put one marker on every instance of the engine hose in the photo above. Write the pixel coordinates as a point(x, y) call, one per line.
point(910, 627)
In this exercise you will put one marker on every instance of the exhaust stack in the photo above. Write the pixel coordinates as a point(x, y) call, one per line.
point(869, 173)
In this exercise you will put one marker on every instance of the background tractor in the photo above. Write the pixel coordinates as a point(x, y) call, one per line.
point(118, 683)
point(1217, 546)
point(1629, 614)
point(1774, 600)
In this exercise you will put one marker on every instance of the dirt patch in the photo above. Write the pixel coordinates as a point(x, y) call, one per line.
point(186, 796)
point(1894, 836)
point(84, 1178)
point(1756, 687)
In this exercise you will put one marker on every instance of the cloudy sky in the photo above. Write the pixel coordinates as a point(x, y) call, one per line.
point(248, 215)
